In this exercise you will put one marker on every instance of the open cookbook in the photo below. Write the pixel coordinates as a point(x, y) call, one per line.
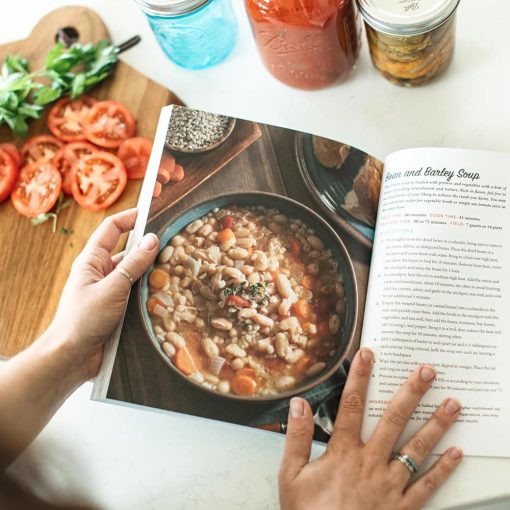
point(261, 289)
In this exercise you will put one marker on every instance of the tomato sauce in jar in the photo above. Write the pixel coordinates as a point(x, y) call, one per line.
point(307, 44)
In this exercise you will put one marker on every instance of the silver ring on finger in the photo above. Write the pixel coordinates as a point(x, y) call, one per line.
point(126, 274)
point(408, 462)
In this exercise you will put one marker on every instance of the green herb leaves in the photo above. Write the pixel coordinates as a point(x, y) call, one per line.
point(23, 94)
point(255, 292)
point(62, 203)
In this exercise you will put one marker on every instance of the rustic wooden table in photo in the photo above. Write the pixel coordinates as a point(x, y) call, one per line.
point(139, 375)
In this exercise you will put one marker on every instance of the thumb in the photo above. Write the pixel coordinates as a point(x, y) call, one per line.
point(135, 263)
point(298, 440)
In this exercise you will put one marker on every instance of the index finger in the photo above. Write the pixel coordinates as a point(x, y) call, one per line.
point(107, 235)
point(347, 428)
point(400, 409)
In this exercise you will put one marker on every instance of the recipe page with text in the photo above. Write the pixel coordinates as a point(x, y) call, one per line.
point(439, 292)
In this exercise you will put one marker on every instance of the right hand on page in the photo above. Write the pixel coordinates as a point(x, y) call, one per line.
point(357, 476)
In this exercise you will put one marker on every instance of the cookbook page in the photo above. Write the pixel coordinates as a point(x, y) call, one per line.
point(439, 291)
point(253, 298)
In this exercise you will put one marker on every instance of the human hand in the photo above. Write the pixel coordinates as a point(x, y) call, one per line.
point(95, 295)
point(358, 476)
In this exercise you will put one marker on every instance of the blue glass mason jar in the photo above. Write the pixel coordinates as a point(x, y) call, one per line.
point(194, 34)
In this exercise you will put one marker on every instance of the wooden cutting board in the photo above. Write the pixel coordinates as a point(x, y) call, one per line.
point(34, 262)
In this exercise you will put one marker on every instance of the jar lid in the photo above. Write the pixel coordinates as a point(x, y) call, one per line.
point(406, 17)
point(170, 7)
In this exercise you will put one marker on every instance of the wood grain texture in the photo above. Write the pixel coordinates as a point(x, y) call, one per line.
point(34, 262)
point(139, 375)
point(200, 167)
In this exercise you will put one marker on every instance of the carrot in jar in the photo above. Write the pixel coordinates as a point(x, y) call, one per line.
point(225, 235)
point(158, 279)
point(184, 362)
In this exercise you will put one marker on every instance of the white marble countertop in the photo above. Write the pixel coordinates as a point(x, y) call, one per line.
point(121, 458)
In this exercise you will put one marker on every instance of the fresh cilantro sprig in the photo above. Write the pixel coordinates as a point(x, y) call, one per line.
point(23, 94)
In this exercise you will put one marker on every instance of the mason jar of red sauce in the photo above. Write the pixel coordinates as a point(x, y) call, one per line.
point(307, 44)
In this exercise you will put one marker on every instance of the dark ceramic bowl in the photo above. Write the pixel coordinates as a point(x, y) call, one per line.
point(292, 209)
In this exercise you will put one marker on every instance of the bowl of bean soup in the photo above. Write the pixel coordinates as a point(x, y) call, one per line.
point(252, 297)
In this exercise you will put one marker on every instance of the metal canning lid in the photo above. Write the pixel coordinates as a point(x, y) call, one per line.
point(170, 7)
point(406, 17)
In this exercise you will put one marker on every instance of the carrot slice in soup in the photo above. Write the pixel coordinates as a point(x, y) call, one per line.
point(295, 246)
point(302, 363)
point(238, 301)
point(158, 279)
point(184, 362)
point(302, 309)
point(225, 235)
point(243, 385)
point(152, 302)
point(308, 281)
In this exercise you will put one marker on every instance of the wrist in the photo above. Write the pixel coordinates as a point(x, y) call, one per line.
point(58, 350)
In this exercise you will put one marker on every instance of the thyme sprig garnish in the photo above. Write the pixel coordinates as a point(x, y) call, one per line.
point(255, 292)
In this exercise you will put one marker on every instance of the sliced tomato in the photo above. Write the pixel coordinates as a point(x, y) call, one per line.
point(13, 152)
point(37, 189)
point(8, 174)
point(66, 157)
point(40, 148)
point(98, 180)
point(66, 118)
point(108, 124)
point(135, 153)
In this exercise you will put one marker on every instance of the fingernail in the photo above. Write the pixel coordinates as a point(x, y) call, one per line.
point(148, 242)
point(455, 453)
point(297, 409)
point(451, 406)
point(427, 373)
point(366, 355)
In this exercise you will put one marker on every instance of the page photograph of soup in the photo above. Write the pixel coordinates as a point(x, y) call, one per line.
point(254, 297)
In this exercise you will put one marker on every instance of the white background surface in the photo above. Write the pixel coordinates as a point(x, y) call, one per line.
point(122, 458)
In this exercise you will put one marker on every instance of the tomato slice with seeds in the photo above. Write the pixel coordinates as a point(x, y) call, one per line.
point(108, 124)
point(8, 174)
point(40, 148)
point(135, 153)
point(13, 151)
point(98, 180)
point(37, 189)
point(66, 157)
point(66, 118)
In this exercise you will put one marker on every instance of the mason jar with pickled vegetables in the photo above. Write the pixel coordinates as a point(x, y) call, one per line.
point(410, 41)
